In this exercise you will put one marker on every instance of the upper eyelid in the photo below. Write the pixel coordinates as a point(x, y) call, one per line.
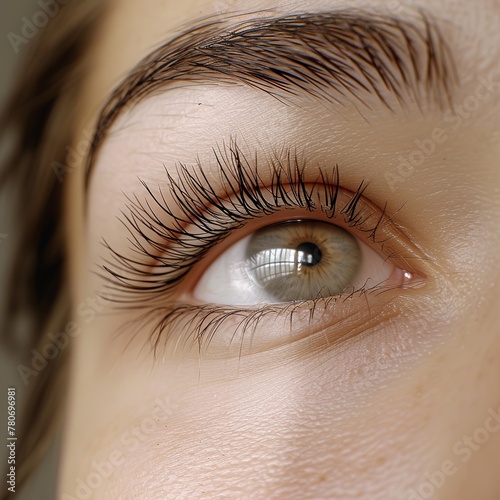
point(161, 227)
point(333, 56)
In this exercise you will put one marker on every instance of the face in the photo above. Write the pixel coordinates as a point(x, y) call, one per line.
point(284, 253)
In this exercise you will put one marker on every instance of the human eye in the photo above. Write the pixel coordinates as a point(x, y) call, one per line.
point(294, 260)
point(266, 254)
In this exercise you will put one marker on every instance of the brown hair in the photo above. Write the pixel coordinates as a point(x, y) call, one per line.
point(38, 125)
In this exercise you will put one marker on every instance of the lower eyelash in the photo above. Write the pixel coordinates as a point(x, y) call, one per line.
point(199, 324)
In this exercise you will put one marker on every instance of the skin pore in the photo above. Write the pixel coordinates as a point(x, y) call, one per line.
point(379, 395)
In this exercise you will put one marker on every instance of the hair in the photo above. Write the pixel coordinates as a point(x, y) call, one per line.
point(37, 126)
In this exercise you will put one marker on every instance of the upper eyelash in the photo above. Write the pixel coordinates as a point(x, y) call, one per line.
point(209, 215)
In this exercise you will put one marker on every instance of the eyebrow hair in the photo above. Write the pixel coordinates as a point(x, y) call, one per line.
point(335, 56)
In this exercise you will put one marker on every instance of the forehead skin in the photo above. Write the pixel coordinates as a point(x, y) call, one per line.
point(389, 424)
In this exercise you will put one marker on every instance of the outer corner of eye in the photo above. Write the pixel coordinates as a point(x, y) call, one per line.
point(293, 261)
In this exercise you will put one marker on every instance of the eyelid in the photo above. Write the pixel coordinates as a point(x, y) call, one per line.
point(223, 332)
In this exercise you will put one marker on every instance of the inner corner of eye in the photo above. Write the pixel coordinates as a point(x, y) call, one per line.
point(295, 260)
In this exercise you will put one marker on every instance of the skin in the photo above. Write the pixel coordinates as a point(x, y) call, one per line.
point(394, 411)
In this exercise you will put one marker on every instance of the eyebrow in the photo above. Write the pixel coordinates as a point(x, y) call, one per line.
point(334, 56)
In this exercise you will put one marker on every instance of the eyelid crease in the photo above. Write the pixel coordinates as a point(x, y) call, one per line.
point(334, 56)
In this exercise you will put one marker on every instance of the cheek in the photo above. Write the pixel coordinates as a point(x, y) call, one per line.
point(360, 418)
point(470, 407)
point(278, 434)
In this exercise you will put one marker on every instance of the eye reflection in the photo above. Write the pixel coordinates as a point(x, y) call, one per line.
point(270, 264)
point(301, 260)
point(308, 254)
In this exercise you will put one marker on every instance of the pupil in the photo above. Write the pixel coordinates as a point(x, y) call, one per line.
point(309, 254)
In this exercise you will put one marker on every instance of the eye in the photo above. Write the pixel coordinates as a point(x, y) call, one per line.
point(258, 258)
point(293, 261)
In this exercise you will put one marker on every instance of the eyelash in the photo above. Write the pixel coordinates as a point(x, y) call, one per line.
point(169, 252)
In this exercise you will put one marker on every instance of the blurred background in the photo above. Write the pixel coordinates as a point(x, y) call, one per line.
point(43, 484)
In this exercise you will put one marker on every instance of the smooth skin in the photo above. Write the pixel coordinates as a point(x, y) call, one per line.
point(407, 408)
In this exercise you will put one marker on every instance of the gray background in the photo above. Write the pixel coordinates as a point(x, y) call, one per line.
point(42, 486)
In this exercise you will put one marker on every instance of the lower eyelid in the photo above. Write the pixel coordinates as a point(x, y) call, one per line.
point(233, 332)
